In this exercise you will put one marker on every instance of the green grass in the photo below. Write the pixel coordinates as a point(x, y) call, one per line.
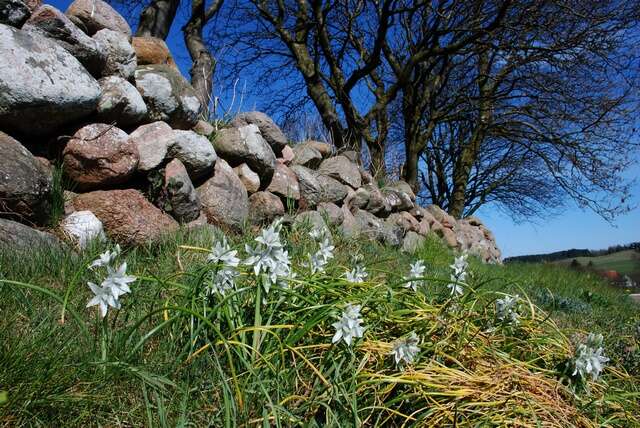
point(170, 357)
point(624, 262)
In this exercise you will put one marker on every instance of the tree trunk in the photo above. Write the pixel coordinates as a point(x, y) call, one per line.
point(202, 62)
point(378, 165)
point(157, 18)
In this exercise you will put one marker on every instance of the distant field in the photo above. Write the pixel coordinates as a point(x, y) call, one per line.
point(625, 262)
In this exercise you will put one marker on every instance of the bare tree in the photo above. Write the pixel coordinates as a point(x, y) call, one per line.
point(536, 112)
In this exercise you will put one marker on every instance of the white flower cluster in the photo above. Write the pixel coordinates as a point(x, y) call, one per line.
point(349, 326)
point(320, 259)
point(222, 278)
point(405, 350)
point(416, 271)
point(116, 283)
point(507, 309)
point(589, 358)
point(459, 274)
point(358, 274)
point(269, 259)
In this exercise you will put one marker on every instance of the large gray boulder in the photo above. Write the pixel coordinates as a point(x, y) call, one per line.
point(195, 152)
point(342, 169)
point(95, 15)
point(331, 213)
point(152, 141)
point(18, 237)
point(120, 102)
point(53, 24)
point(264, 207)
point(284, 183)
point(270, 131)
point(376, 229)
point(313, 220)
point(332, 189)
point(42, 86)
point(13, 12)
point(306, 154)
point(310, 188)
point(223, 197)
point(120, 56)
point(25, 183)
point(169, 97)
point(246, 145)
point(182, 200)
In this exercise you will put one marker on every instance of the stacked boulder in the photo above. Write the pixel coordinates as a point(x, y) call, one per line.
point(126, 126)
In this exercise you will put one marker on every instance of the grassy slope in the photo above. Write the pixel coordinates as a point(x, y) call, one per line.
point(169, 358)
point(625, 262)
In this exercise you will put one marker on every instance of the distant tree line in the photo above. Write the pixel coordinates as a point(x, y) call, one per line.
point(526, 105)
point(572, 254)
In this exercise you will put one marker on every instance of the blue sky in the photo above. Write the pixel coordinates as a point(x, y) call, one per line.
point(574, 228)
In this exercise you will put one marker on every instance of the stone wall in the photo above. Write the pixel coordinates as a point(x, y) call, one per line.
point(125, 125)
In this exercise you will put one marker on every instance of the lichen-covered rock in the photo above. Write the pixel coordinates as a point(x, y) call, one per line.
point(182, 200)
point(151, 51)
point(120, 102)
point(17, 237)
point(120, 56)
point(268, 129)
point(53, 24)
point(169, 97)
point(342, 169)
point(402, 186)
point(264, 207)
point(82, 227)
point(195, 152)
point(99, 155)
point(223, 197)
point(284, 183)
point(376, 229)
point(397, 200)
point(376, 203)
point(412, 242)
point(246, 145)
point(447, 235)
point(42, 86)
point(127, 216)
point(250, 179)
point(312, 220)
point(404, 220)
point(14, 12)
point(25, 183)
point(331, 189)
point(310, 188)
point(306, 154)
point(95, 15)
point(152, 141)
point(331, 212)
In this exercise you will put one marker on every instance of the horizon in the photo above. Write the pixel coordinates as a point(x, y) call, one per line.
point(536, 236)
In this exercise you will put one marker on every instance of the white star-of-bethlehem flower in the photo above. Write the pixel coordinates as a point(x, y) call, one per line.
point(405, 350)
point(507, 309)
point(349, 326)
point(103, 297)
point(357, 275)
point(222, 278)
point(269, 259)
point(106, 258)
point(321, 258)
point(459, 274)
point(417, 271)
point(589, 358)
point(118, 281)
